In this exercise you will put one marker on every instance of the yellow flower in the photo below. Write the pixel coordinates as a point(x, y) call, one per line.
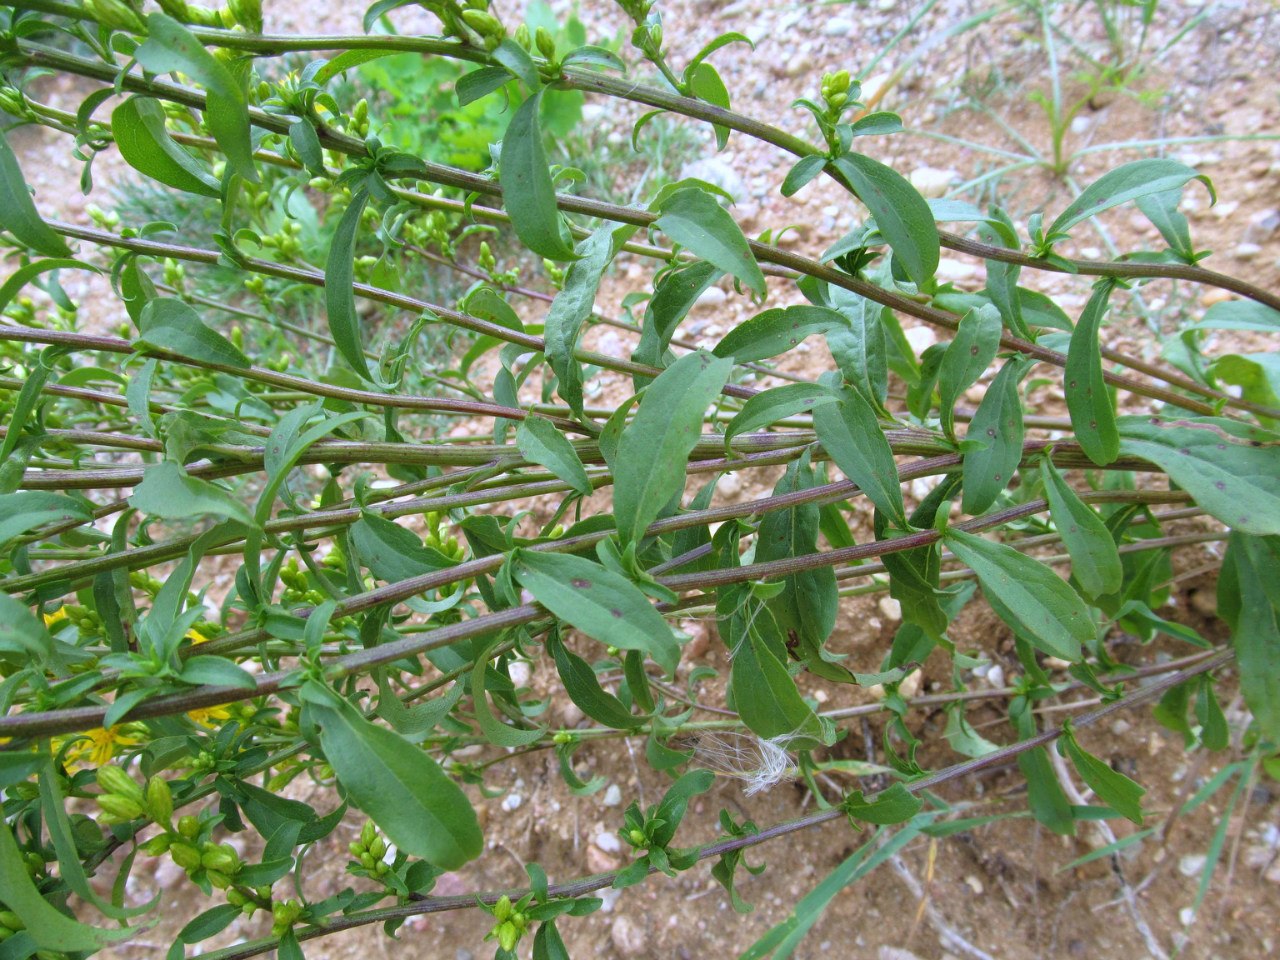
point(56, 617)
point(211, 718)
point(95, 747)
point(195, 636)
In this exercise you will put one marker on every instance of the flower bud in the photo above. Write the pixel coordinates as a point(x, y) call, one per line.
point(114, 780)
point(159, 800)
point(176, 9)
point(11, 920)
point(185, 856)
point(368, 833)
point(247, 13)
point(189, 827)
point(117, 15)
point(546, 43)
point(502, 909)
point(487, 25)
point(637, 837)
point(120, 808)
point(521, 36)
point(222, 858)
point(507, 936)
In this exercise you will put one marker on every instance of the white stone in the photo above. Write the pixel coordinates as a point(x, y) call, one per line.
point(932, 182)
point(608, 842)
point(1246, 251)
point(512, 802)
point(710, 297)
point(729, 485)
point(920, 338)
point(839, 27)
point(1262, 225)
point(628, 937)
point(520, 672)
point(612, 797)
point(891, 608)
point(955, 271)
point(1192, 864)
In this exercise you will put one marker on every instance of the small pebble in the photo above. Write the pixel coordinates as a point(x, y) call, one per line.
point(512, 802)
point(608, 842)
point(612, 796)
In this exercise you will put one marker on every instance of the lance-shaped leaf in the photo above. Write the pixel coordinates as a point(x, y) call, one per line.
point(1112, 787)
point(527, 191)
point(967, 358)
point(18, 214)
point(1088, 401)
point(138, 128)
point(672, 299)
point(1125, 183)
point(603, 605)
point(1231, 469)
point(584, 689)
point(339, 292)
point(776, 331)
point(765, 695)
point(172, 48)
point(28, 509)
point(994, 440)
point(539, 441)
point(1033, 600)
point(573, 304)
point(692, 218)
point(649, 466)
point(393, 553)
point(860, 347)
point(168, 491)
point(169, 324)
point(770, 406)
point(1249, 601)
point(851, 434)
point(902, 216)
point(1095, 560)
point(396, 783)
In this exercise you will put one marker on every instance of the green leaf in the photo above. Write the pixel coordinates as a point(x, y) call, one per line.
point(1095, 560)
point(48, 927)
point(967, 358)
point(20, 512)
point(765, 695)
point(18, 214)
point(516, 60)
point(527, 191)
point(339, 292)
point(894, 804)
point(584, 689)
point(288, 442)
point(1232, 470)
point(705, 84)
point(1027, 595)
point(1248, 601)
point(694, 219)
point(649, 466)
point(806, 169)
point(1240, 315)
point(494, 730)
point(167, 491)
point(778, 403)
point(902, 216)
point(1162, 210)
point(216, 672)
point(139, 131)
point(573, 305)
point(1088, 401)
point(997, 426)
point(806, 608)
point(392, 552)
point(400, 787)
point(603, 605)
point(860, 347)
point(22, 636)
point(347, 59)
point(776, 331)
point(173, 326)
point(20, 277)
point(674, 296)
point(671, 808)
point(1047, 802)
point(172, 48)
point(1112, 787)
point(540, 442)
point(1125, 183)
point(851, 435)
point(480, 83)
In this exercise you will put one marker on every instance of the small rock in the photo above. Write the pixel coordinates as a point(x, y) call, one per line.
point(1205, 602)
point(798, 66)
point(932, 182)
point(729, 485)
point(910, 685)
point(1226, 208)
point(1262, 225)
point(896, 953)
point(629, 937)
point(891, 608)
point(1121, 727)
point(571, 714)
point(612, 797)
point(710, 297)
point(1246, 251)
point(884, 6)
point(995, 676)
point(974, 884)
point(920, 338)
point(955, 271)
point(1187, 915)
point(512, 802)
point(1214, 295)
point(608, 842)
point(1081, 124)
point(699, 640)
point(1192, 864)
point(600, 862)
point(520, 672)
point(839, 27)
point(1057, 663)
